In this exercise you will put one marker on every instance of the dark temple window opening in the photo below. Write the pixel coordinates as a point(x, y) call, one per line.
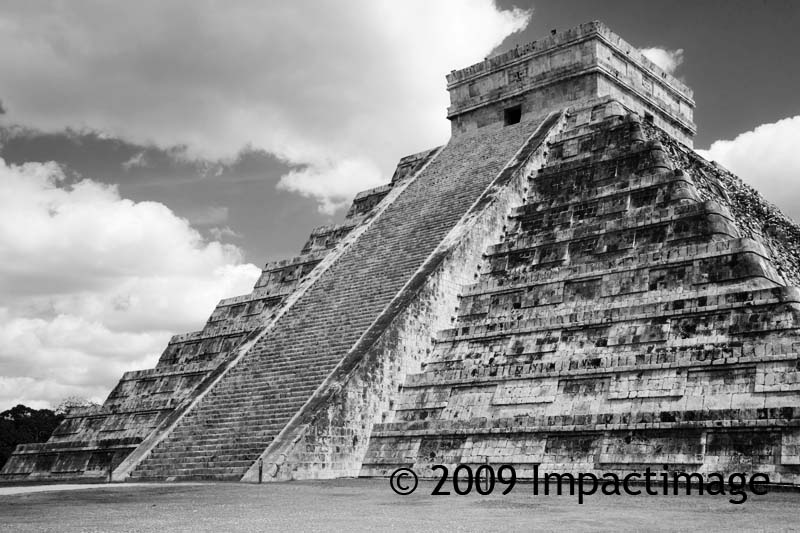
point(512, 115)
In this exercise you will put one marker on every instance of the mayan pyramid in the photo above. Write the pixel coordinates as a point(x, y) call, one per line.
point(566, 283)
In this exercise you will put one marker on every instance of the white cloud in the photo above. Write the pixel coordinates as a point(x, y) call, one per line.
point(768, 159)
point(326, 86)
point(668, 60)
point(138, 160)
point(92, 284)
point(333, 184)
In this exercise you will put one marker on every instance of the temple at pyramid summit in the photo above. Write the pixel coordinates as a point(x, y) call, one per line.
point(565, 283)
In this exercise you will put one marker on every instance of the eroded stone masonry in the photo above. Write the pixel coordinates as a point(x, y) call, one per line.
point(566, 283)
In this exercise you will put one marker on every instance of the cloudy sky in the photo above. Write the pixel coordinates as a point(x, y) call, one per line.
point(155, 154)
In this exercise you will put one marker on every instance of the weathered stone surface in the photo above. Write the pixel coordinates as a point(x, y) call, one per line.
point(345, 311)
point(565, 283)
point(625, 319)
point(566, 68)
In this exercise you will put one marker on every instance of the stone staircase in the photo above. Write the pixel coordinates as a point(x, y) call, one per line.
point(235, 422)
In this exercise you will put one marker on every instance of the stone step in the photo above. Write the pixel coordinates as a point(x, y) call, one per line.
point(639, 159)
point(656, 256)
point(665, 220)
point(625, 186)
point(788, 416)
point(611, 365)
point(615, 314)
point(590, 297)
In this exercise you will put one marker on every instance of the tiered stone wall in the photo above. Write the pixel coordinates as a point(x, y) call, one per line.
point(626, 319)
point(754, 217)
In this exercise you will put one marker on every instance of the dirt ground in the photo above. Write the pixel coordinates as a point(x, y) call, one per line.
point(370, 505)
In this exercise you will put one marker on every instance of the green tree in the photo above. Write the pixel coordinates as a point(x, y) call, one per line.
point(22, 424)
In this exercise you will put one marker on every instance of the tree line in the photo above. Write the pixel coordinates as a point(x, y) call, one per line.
point(22, 424)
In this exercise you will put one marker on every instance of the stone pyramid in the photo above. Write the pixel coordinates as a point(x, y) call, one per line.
point(566, 283)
